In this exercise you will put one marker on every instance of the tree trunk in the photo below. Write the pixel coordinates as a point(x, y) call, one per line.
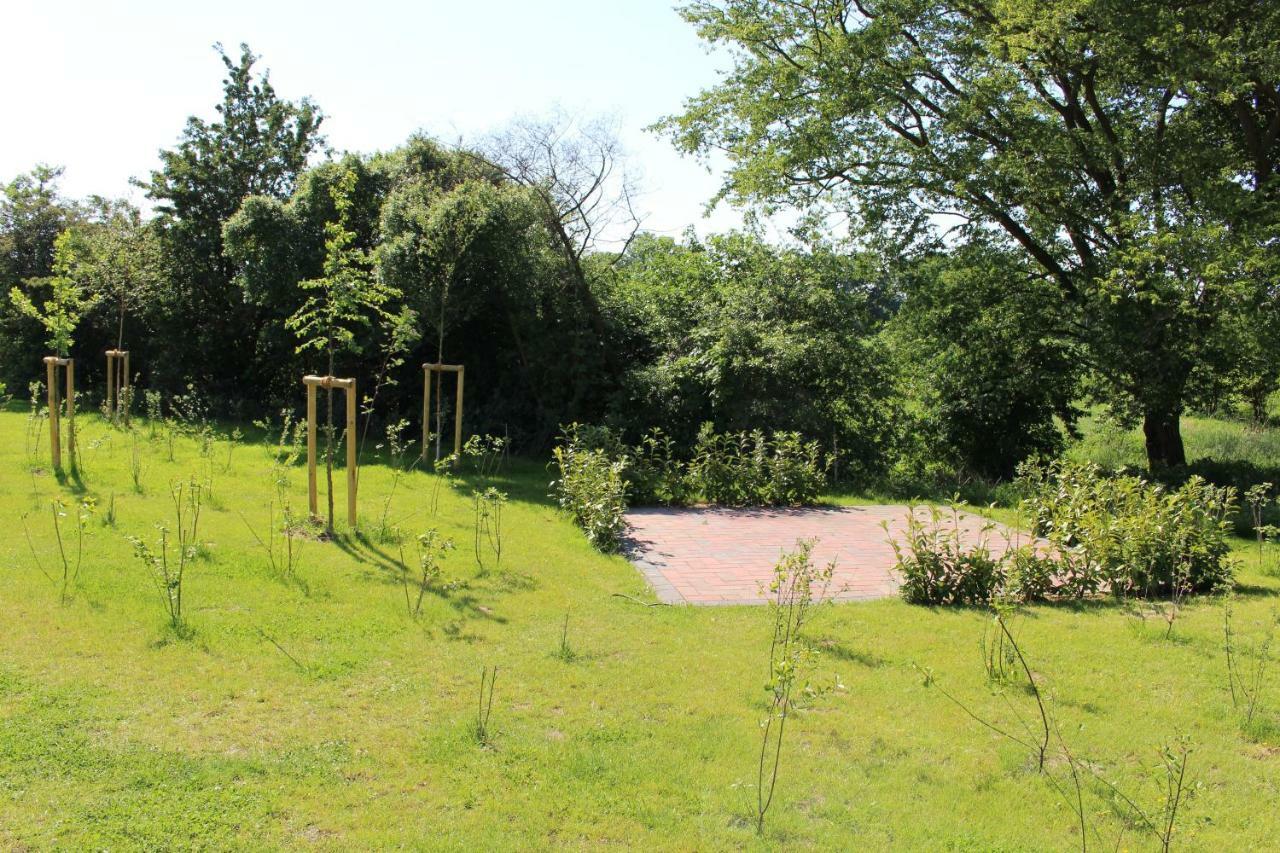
point(1162, 428)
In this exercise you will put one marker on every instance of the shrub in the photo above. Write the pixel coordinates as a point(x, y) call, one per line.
point(656, 474)
point(936, 565)
point(1128, 535)
point(592, 489)
point(749, 469)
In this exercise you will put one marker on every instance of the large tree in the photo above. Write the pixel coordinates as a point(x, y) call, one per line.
point(258, 146)
point(1129, 150)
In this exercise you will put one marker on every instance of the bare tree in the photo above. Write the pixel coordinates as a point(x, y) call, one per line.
point(576, 168)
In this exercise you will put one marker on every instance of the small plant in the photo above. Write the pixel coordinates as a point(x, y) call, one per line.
point(168, 571)
point(939, 566)
point(1247, 683)
point(488, 524)
point(484, 708)
point(1007, 667)
point(36, 419)
point(137, 465)
point(232, 439)
point(151, 401)
point(792, 596)
point(401, 461)
point(69, 560)
point(432, 548)
point(443, 476)
point(564, 651)
point(591, 487)
point(487, 453)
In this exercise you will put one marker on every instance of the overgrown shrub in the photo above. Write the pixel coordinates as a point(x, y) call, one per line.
point(938, 566)
point(1127, 535)
point(591, 488)
point(656, 474)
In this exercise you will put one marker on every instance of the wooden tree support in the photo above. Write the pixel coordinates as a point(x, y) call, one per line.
point(349, 386)
point(118, 382)
point(52, 363)
point(429, 371)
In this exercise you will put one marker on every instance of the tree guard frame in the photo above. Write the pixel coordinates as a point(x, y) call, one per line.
point(349, 386)
point(429, 371)
point(118, 382)
point(52, 363)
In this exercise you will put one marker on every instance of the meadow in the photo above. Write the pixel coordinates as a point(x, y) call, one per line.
point(312, 708)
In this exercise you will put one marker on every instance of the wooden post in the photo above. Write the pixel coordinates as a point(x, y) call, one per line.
point(111, 383)
point(71, 409)
point(349, 386)
point(457, 418)
point(125, 382)
point(118, 383)
point(426, 411)
point(51, 364)
point(351, 453)
point(311, 444)
point(428, 373)
point(55, 440)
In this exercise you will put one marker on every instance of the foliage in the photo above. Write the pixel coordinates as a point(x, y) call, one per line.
point(748, 469)
point(590, 486)
point(939, 565)
point(67, 303)
point(1118, 148)
point(980, 344)
point(258, 145)
point(744, 334)
point(1128, 536)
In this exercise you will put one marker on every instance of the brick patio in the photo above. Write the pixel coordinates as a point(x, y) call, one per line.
point(726, 556)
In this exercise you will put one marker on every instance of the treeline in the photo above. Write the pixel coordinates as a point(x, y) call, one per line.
point(954, 358)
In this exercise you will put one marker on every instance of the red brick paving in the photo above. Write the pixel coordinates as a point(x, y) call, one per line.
point(726, 556)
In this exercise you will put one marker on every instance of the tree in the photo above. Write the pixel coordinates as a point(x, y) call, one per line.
point(576, 171)
point(749, 335)
point(67, 303)
point(982, 342)
point(346, 299)
point(116, 257)
point(1128, 150)
point(32, 215)
point(258, 146)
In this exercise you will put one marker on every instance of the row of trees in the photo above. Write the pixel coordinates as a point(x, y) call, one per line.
point(1047, 205)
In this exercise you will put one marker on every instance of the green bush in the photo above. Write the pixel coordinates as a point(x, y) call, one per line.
point(749, 469)
point(592, 489)
point(656, 474)
point(938, 566)
point(1128, 535)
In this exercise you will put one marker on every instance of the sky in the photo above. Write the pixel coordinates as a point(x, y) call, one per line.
point(100, 87)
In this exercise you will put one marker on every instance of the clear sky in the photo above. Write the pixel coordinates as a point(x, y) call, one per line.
point(99, 87)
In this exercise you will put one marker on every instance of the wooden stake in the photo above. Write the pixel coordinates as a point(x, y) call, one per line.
point(118, 383)
point(349, 386)
point(55, 439)
point(351, 454)
point(71, 409)
point(311, 445)
point(428, 373)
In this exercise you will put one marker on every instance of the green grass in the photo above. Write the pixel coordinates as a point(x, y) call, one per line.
point(1112, 446)
point(115, 734)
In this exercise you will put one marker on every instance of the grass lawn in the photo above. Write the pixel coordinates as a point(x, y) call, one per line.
point(318, 713)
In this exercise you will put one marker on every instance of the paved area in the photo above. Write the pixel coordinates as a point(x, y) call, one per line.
point(726, 556)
